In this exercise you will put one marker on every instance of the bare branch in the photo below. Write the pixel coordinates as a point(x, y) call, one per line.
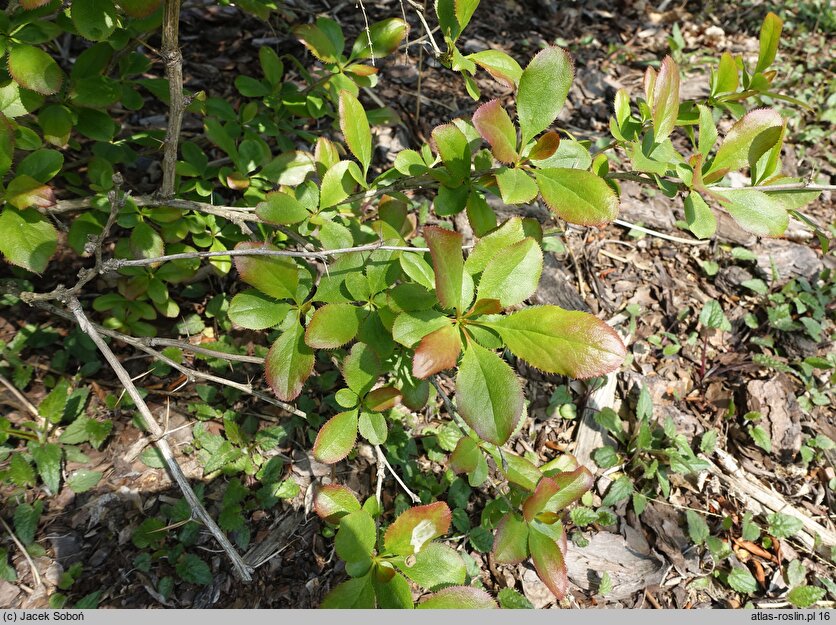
point(174, 72)
point(160, 442)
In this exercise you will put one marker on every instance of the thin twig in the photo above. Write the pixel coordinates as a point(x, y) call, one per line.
point(382, 458)
point(448, 403)
point(160, 441)
point(368, 31)
point(35, 575)
point(20, 397)
point(174, 73)
point(660, 235)
point(419, 10)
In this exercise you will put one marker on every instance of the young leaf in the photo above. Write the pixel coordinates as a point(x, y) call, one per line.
point(544, 86)
point(382, 399)
point(546, 146)
point(512, 276)
point(515, 186)
point(755, 211)
point(34, 69)
point(454, 16)
point(510, 545)
point(489, 395)
point(372, 427)
point(393, 593)
point(579, 197)
point(355, 127)
point(741, 580)
point(438, 350)
point(560, 341)
point(317, 41)
point(357, 592)
point(699, 217)
point(549, 562)
point(334, 501)
point(459, 598)
point(277, 276)
point(385, 36)
point(727, 79)
point(490, 245)
point(571, 486)
point(805, 596)
point(253, 310)
point(448, 265)
point(333, 326)
point(336, 438)
point(496, 127)
point(289, 363)
point(749, 139)
point(356, 537)
point(465, 456)
point(27, 238)
point(499, 65)
point(451, 144)
point(416, 527)
point(665, 100)
point(361, 368)
point(770, 35)
point(435, 565)
point(48, 460)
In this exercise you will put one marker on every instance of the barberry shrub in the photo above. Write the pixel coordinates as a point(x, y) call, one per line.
point(337, 262)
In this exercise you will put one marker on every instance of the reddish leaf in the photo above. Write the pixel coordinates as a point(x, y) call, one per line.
point(578, 196)
point(751, 137)
point(485, 307)
point(571, 486)
point(416, 527)
point(336, 438)
point(465, 456)
point(496, 127)
point(289, 363)
point(24, 191)
point(448, 265)
point(544, 86)
point(545, 147)
point(459, 598)
point(334, 501)
point(139, 8)
point(549, 562)
point(499, 65)
point(383, 398)
point(536, 502)
point(665, 100)
point(437, 351)
point(510, 545)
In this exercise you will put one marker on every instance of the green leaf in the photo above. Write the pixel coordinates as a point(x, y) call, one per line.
point(761, 438)
point(454, 16)
point(561, 341)
point(333, 501)
point(194, 570)
point(94, 19)
point(496, 127)
point(253, 310)
point(458, 598)
point(697, 527)
point(338, 183)
point(315, 39)
point(145, 242)
point(372, 426)
point(7, 571)
point(48, 460)
point(385, 36)
point(289, 363)
point(579, 197)
point(27, 238)
point(749, 139)
point(490, 245)
point(416, 527)
point(488, 394)
point(770, 35)
point(42, 165)
point(513, 276)
point(438, 350)
point(515, 186)
point(665, 100)
point(355, 127)
point(336, 438)
point(333, 326)
point(499, 65)
point(510, 599)
point(357, 592)
point(451, 144)
point(805, 596)
point(82, 480)
point(277, 276)
point(448, 265)
point(435, 565)
point(26, 519)
point(619, 490)
point(281, 208)
point(708, 131)
point(418, 269)
point(571, 486)
point(20, 472)
point(510, 544)
point(394, 594)
point(727, 79)
point(34, 69)
point(356, 537)
point(544, 86)
point(85, 429)
point(549, 562)
point(757, 212)
point(712, 316)
point(52, 406)
point(784, 525)
point(741, 580)
point(361, 368)
point(699, 217)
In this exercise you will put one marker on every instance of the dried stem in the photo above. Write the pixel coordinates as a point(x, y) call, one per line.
point(197, 509)
point(382, 458)
point(177, 105)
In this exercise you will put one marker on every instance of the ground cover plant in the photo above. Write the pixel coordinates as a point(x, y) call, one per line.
point(302, 304)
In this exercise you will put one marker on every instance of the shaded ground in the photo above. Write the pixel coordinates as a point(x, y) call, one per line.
point(701, 380)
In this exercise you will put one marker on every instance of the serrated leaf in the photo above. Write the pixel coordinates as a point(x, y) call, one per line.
point(784, 525)
point(496, 127)
point(315, 39)
point(139, 8)
point(437, 351)
point(26, 519)
point(458, 598)
point(333, 326)
point(82, 480)
point(289, 363)
point(355, 127)
point(741, 580)
point(515, 186)
point(277, 276)
point(361, 368)
point(254, 310)
point(665, 100)
point(448, 265)
point(356, 537)
point(697, 527)
point(618, 491)
point(191, 568)
point(805, 596)
point(465, 455)
point(52, 406)
point(435, 565)
point(451, 144)
point(546, 146)
point(20, 472)
point(357, 592)
point(372, 427)
point(34, 69)
point(544, 86)
point(454, 16)
point(48, 460)
point(499, 65)
point(755, 211)
point(489, 246)
point(579, 197)
point(749, 139)
point(394, 593)
point(416, 527)
point(94, 19)
point(336, 438)
point(699, 217)
point(281, 208)
point(27, 238)
point(510, 599)
point(334, 501)
point(513, 276)
point(510, 545)
point(560, 341)
point(549, 562)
